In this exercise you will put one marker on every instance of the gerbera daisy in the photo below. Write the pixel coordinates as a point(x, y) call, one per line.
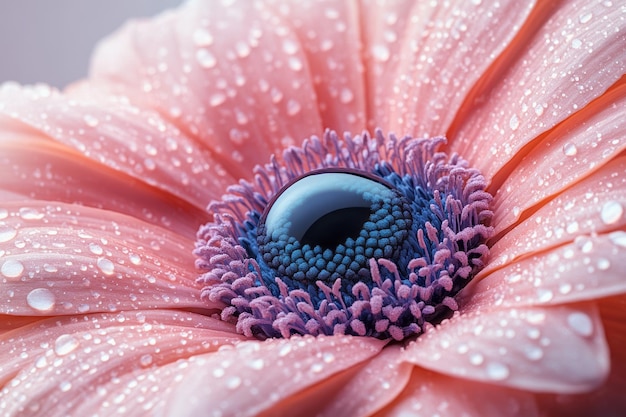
point(474, 155)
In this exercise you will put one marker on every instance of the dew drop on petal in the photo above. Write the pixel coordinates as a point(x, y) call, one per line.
point(41, 299)
point(134, 258)
point(580, 323)
point(145, 360)
point(603, 264)
point(7, 233)
point(544, 295)
point(476, 359)
point(618, 238)
point(256, 364)
point(346, 95)
point(293, 107)
point(65, 344)
point(514, 122)
point(12, 268)
point(569, 149)
point(611, 212)
point(534, 353)
point(284, 350)
point(380, 52)
point(95, 249)
point(202, 37)
point(233, 382)
point(205, 58)
point(65, 386)
point(90, 120)
point(106, 266)
point(217, 99)
point(27, 213)
point(497, 371)
point(317, 368)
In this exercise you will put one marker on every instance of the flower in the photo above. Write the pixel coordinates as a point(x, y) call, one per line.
point(105, 185)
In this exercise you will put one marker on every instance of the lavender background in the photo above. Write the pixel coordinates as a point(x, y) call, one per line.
point(51, 40)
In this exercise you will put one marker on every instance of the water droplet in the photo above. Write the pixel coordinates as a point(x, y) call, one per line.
point(41, 299)
point(65, 386)
point(12, 268)
point(585, 17)
point(90, 120)
point(497, 371)
point(256, 364)
point(317, 368)
point(233, 382)
point(243, 49)
point(328, 357)
point(572, 227)
point(145, 360)
point(565, 288)
point(611, 212)
point(346, 95)
point(476, 359)
point(514, 122)
point(202, 37)
point(576, 43)
point(603, 264)
point(290, 46)
point(293, 107)
point(205, 58)
point(295, 63)
point(618, 238)
point(106, 266)
point(134, 258)
point(7, 233)
point(569, 149)
point(580, 323)
point(95, 249)
point(584, 244)
point(27, 213)
point(534, 353)
point(544, 295)
point(284, 350)
point(65, 344)
point(380, 52)
point(217, 99)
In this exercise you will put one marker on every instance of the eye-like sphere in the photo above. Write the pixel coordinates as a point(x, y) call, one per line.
point(329, 223)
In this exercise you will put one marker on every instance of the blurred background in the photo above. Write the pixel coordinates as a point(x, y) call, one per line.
point(51, 40)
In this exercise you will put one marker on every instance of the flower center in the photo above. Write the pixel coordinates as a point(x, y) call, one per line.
point(360, 236)
point(327, 225)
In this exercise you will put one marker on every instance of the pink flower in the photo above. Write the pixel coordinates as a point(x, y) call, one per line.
point(105, 185)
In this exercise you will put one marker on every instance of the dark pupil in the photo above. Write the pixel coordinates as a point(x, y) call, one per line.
point(335, 227)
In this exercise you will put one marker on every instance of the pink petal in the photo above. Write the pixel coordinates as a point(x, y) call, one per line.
point(422, 58)
point(256, 376)
point(559, 349)
point(360, 390)
point(570, 152)
point(609, 399)
point(576, 56)
point(594, 205)
point(235, 78)
point(138, 143)
point(365, 390)
point(430, 394)
point(61, 259)
point(592, 267)
point(36, 168)
point(51, 367)
point(329, 36)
